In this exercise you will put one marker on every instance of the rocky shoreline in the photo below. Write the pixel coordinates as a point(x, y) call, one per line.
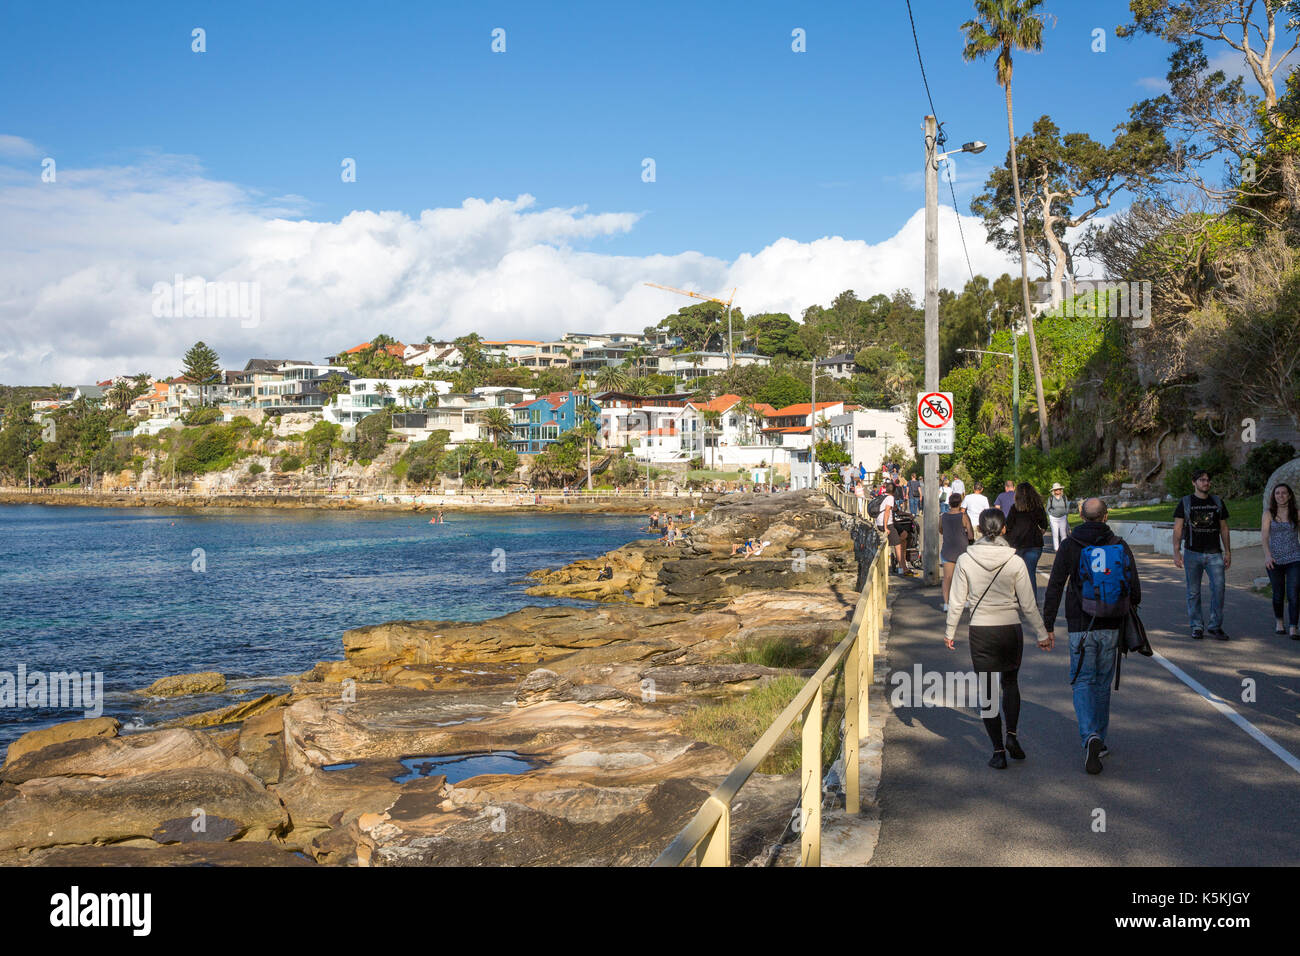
point(548, 736)
point(403, 502)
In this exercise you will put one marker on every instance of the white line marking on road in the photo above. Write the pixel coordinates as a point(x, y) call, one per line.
point(1218, 704)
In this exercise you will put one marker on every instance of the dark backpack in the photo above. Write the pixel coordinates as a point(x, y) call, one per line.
point(875, 504)
point(1103, 578)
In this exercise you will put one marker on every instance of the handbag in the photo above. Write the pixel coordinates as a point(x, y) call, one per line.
point(1132, 637)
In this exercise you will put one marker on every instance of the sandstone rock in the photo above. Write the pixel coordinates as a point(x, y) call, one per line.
point(261, 745)
point(112, 757)
point(205, 682)
point(73, 730)
point(235, 712)
point(51, 811)
point(176, 854)
point(1286, 474)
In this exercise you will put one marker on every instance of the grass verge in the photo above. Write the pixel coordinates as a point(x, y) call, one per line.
point(1244, 514)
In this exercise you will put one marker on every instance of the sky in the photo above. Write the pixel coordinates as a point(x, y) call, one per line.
point(501, 191)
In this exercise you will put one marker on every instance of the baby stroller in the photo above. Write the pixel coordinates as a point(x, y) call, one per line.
point(905, 524)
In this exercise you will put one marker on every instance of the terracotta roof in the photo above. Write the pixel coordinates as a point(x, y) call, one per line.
point(802, 408)
point(719, 404)
point(790, 430)
point(397, 349)
point(764, 409)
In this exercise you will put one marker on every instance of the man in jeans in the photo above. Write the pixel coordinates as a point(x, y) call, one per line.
point(1093, 640)
point(914, 495)
point(1200, 527)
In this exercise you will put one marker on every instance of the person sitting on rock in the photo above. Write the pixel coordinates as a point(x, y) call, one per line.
point(605, 573)
point(743, 549)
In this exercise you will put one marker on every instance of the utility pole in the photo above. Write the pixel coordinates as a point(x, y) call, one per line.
point(930, 513)
point(930, 505)
point(812, 431)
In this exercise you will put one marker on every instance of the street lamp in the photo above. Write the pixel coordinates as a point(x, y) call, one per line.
point(1014, 355)
point(930, 525)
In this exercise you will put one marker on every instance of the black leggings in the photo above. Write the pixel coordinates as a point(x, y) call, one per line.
point(1010, 681)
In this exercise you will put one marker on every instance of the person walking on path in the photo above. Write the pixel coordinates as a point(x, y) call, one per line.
point(1007, 498)
point(885, 522)
point(995, 578)
point(1058, 515)
point(959, 487)
point(976, 504)
point(956, 534)
point(1278, 531)
point(1203, 545)
point(1098, 576)
point(860, 491)
point(945, 492)
point(1026, 522)
point(914, 495)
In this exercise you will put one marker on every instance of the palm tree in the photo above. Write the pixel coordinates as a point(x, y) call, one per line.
point(121, 395)
point(407, 392)
point(332, 387)
point(1007, 25)
point(383, 390)
point(611, 378)
point(497, 423)
point(711, 417)
point(898, 381)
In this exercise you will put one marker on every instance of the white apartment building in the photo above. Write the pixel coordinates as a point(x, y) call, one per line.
point(365, 396)
point(650, 424)
point(735, 442)
point(867, 433)
point(692, 365)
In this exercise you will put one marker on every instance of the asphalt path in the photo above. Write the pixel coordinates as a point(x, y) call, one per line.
point(1185, 784)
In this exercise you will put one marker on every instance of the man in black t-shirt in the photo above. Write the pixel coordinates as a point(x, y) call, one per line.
point(1203, 544)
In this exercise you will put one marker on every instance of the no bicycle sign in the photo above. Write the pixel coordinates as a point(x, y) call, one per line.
point(934, 423)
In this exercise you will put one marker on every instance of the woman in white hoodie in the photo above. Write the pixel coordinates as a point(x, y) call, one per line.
point(993, 578)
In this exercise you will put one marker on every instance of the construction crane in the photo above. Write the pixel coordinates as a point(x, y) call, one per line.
point(731, 355)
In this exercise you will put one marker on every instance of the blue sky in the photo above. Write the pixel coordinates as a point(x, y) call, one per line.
point(495, 192)
point(751, 140)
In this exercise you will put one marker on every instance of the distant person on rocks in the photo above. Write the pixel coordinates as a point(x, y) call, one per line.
point(1058, 515)
point(1278, 530)
point(1026, 522)
point(994, 581)
point(914, 495)
point(956, 534)
point(976, 504)
point(1203, 545)
point(1007, 498)
point(1098, 575)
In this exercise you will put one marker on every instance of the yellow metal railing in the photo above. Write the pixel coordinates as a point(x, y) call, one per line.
point(708, 835)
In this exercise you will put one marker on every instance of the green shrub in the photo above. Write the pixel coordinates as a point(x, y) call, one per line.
point(1178, 477)
point(255, 469)
point(203, 415)
point(1261, 463)
point(288, 462)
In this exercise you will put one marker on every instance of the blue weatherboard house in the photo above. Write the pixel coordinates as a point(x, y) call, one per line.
point(543, 420)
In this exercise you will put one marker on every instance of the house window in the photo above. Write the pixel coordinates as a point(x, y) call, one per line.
point(866, 433)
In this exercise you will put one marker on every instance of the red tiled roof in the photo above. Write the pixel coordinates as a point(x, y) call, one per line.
point(802, 408)
point(397, 349)
point(790, 430)
point(764, 409)
point(719, 404)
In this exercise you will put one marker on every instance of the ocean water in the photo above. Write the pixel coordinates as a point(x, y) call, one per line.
point(138, 594)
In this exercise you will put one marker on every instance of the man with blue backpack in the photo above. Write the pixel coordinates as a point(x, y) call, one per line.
point(1099, 577)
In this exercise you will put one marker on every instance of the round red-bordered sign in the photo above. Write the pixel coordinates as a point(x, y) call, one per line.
point(934, 410)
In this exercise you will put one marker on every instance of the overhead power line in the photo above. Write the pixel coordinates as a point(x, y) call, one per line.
point(941, 138)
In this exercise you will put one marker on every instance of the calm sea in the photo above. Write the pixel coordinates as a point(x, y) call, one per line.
point(139, 594)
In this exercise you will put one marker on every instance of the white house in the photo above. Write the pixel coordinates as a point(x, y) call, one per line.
point(736, 441)
point(691, 365)
point(365, 396)
point(867, 433)
point(650, 424)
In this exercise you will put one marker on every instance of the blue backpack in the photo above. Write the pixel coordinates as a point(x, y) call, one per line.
point(1103, 578)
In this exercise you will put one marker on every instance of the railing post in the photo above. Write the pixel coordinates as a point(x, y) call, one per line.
point(853, 696)
point(811, 791)
point(715, 849)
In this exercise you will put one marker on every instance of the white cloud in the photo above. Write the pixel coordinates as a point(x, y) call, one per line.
point(79, 259)
point(17, 147)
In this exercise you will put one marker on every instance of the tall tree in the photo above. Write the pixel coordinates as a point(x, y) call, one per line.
point(1210, 114)
point(202, 366)
point(1055, 172)
point(1005, 26)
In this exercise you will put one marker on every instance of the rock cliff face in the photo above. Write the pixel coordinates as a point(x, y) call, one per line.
point(546, 736)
